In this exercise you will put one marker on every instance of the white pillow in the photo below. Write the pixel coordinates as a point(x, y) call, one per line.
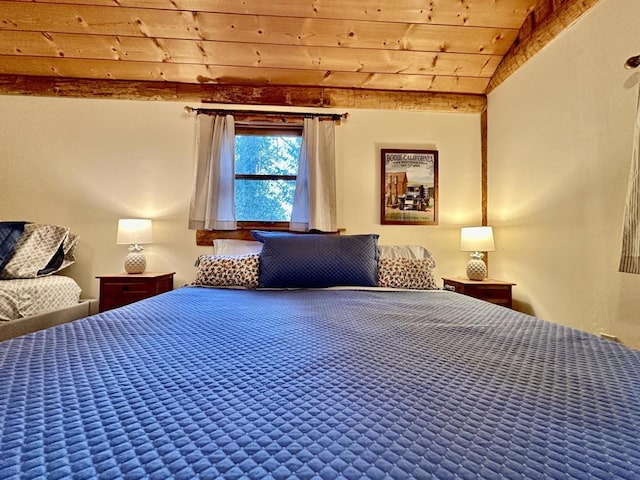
point(417, 252)
point(235, 247)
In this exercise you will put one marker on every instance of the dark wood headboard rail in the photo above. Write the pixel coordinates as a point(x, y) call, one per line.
point(205, 238)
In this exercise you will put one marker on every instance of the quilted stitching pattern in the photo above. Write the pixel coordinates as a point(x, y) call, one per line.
point(69, 248)
point(220, 383)
point(29, 296)
point(228, 271)
point(10, 232)
point(34, 249)
point(317, 261)
point(406, 273)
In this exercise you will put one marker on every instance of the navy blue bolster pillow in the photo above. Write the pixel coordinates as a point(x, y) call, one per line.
point(317, 261)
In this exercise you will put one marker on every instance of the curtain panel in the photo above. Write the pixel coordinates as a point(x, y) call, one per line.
point(630, 256)
point(212, 201)
point(314, 204)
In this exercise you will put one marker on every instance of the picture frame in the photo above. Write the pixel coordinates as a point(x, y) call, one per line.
point(409, 193)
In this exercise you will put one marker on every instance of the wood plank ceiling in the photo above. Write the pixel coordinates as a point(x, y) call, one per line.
point(450, 46)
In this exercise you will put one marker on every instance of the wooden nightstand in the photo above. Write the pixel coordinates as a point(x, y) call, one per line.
point(494, 291)
point(124, 288)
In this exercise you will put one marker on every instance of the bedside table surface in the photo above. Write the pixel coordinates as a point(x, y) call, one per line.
point(136, 275)
point(486, 281)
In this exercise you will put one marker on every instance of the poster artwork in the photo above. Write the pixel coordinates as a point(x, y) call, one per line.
point(410, 187)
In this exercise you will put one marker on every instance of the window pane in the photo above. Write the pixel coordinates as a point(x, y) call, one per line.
point(264, 200)
point(267, 154)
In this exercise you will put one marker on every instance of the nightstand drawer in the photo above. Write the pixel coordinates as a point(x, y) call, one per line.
point(127, 289)
point(494, 291)
point(119, 290)
point(490, 293)
point(109, 301)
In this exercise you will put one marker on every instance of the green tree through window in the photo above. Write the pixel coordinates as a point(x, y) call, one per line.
point(266, 168)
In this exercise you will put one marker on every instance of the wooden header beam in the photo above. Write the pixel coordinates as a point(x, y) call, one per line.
point(241, 94)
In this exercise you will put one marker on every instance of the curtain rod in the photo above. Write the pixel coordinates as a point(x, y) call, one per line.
point(632, 62)
point(211, 111)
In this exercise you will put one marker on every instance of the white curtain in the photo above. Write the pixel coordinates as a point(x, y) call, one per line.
point(314, 204)
point(630, 256)
point(212, 201)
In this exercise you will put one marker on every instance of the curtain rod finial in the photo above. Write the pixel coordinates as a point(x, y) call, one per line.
point(188, 109)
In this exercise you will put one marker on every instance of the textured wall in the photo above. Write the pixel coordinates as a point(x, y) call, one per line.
point(560, 139)
point(86, 163)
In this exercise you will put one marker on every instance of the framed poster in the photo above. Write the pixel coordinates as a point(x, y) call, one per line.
point(409, 187)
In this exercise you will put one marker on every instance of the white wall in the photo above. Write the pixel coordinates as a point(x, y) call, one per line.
point(86, 163)
point(560, 143)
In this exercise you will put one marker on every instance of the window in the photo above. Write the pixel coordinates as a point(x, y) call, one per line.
point(255, 184)
point(266, 164)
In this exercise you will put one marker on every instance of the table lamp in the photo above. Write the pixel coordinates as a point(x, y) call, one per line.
point(476, 240)
point(134, 232)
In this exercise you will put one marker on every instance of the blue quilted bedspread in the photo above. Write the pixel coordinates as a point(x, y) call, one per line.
point(204, 383)
point(10, 233)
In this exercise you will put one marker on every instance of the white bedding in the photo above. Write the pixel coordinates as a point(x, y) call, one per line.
point(31, 296)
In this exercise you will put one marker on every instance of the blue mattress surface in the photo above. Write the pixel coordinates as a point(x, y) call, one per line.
point(208, 383)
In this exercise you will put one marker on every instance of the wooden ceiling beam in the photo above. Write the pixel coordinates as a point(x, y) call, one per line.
point(253, 76)
point(241, 95)
point(537, 32)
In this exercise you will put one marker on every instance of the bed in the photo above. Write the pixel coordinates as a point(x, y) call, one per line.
point(351, 382)
point(33, 295)
point(25, 297)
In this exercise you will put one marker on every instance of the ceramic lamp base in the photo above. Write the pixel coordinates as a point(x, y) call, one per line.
point(135, 262)
point(476, 269)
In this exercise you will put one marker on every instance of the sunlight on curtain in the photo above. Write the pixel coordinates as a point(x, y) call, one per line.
point(314, 201)
point(630, 256)
point(212, 202)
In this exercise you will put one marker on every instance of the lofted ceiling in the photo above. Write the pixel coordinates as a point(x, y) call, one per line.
point(417, 46)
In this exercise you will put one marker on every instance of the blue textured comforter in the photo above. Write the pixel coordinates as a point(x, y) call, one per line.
point(204, 383)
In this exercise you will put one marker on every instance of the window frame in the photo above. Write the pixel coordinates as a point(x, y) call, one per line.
point(278, 128)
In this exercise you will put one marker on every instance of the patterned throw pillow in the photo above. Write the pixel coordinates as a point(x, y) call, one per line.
point(228, 271)
point(38, 252)
point(407, 273)
point(69, 248)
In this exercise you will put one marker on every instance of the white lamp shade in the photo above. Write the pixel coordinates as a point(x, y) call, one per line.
point(477, 239)
point(134, 231)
